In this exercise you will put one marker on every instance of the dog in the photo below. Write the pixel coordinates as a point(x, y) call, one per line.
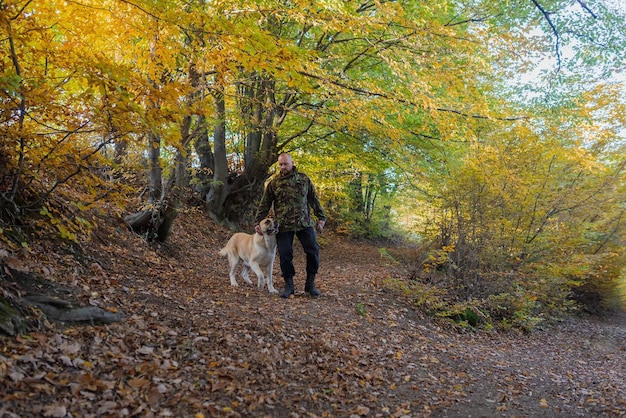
point(257, 252)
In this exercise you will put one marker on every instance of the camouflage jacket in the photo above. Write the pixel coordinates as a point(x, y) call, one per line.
point(291, 195)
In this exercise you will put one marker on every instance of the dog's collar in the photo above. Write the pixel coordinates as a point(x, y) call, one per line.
point(259, 233)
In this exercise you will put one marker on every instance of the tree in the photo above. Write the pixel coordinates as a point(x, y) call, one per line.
point(362, 80)
point(534, 208)
point(50, 128)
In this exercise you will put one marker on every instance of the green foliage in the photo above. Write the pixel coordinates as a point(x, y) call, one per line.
point(429, 298)
point(356, 196)
point(385, 254)
point(544, 222)
point(360, 309)
point(518, 309)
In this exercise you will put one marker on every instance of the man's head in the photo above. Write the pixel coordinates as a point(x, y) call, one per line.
point(285, 163)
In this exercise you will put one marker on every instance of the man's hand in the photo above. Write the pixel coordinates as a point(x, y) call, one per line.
point(320, 226)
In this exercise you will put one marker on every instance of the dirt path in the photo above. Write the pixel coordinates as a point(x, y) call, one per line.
point(192, 345)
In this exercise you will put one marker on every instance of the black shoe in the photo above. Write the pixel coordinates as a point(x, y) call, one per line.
point(309, 286)
point(288, 291)
point(313, 292)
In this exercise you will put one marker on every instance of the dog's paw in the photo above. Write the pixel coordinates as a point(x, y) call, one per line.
point(272, 290)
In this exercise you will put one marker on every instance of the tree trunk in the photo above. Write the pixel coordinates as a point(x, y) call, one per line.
point(204, 176)
point(252, 111)
point(219, 187)
point(157, 220)
point(148, 221)
point(355, 193)
point(257, 105)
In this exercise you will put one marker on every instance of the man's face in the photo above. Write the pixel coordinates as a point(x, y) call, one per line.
point(285, 164)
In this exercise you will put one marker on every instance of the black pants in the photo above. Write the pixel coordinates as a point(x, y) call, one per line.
point(308, 239)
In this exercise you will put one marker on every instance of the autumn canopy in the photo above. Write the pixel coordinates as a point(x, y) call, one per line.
point(489, 132)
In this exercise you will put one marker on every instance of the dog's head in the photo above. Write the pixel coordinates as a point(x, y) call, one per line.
point(269, 226)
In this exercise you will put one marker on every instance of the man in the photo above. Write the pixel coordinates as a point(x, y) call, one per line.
point(292, 194)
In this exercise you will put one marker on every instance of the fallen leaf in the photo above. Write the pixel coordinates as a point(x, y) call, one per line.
point(55, 411)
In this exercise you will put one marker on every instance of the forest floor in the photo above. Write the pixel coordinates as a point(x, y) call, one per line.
point(191, 345)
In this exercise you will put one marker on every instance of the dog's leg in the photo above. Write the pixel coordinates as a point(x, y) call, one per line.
point(259, 274)
point(244, 273)
point(233, 260)
point(270, 280)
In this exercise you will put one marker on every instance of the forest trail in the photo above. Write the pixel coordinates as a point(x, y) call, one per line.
point(191, 345)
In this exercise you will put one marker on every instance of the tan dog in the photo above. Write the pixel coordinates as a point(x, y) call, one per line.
point(257, 253)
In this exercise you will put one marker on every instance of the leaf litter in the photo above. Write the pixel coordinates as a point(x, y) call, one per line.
point(190, 345)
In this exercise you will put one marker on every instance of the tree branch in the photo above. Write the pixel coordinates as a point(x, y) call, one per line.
point(555, 31)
